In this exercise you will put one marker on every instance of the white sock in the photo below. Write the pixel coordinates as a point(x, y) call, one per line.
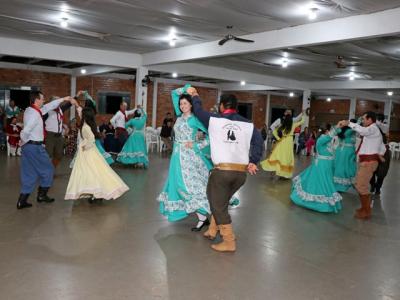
point(202, 219)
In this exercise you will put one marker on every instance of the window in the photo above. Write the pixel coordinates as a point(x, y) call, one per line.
point(108, 102)
point(245, 110)
point(21, 98)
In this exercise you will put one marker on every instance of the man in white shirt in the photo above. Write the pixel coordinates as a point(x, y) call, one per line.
point(370, 151)
point(54, 127)
point(118, 122)
point(35, 162)
point(383, 166)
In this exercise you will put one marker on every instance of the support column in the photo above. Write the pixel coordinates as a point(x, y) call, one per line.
point(141, 91)
point(352, 111)
point(219, 93)
point(73, 93)
point(304, 106)
point(388, 111)
point(154, 115)
point(267, 106)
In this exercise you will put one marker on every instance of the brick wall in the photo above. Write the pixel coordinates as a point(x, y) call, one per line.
point(94, 85)
point(363, 106)
point(322, 111)
point(258, 102)
point(51, 84)
point(164, 103)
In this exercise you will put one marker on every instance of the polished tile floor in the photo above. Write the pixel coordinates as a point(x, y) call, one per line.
point(124, 249)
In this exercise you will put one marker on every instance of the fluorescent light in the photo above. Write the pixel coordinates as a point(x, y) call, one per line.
point(172, 43)
point(64, 23)
point(83, 71)
point(328, 99)
point(291, 94)
point(64, 7)
point(285, 54)
point(390, 93)
point(352, 77)
point(174, 74)
point(285, 63)
point(312, 14)
point(243, 82)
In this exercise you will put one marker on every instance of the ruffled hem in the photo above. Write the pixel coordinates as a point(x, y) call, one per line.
point(180, 205)
point(344, 181)
point(276, 166)
point(305, 196)
point(97, 193)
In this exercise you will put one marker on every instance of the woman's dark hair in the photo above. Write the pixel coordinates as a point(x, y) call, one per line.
point(286, 125)
point(325, 128)
point(229, 101)
point(342, 131)
point(88, 117)
point(188, 98)
point(137, 114)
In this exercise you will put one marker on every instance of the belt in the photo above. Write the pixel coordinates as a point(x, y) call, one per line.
point(35, 142)
point(231, 167)
point(368, 157)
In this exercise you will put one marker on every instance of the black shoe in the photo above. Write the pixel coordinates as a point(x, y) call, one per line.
point(372, 189)
point(42, 195)
point(91, 200)
point(205, 223)
point(377, 192)
point(23, 201)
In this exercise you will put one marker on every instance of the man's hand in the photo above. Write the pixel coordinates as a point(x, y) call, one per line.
point(252, 169)
point(192, 91)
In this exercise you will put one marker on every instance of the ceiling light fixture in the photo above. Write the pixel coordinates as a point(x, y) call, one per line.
point(172, 43)
point(291, 94)
point(242, 83)
point(312, 13)
point(328, 99)
point(285, 54)
point(284, 63)
point(174, 75)
point(172, 38)
point(83, 71)
point(390, 93)
point(64, 7)
point(64, 22)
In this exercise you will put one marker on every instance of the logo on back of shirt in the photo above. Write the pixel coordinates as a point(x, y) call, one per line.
point(230, 130)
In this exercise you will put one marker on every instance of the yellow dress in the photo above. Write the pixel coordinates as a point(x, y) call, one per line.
point(91, 174)
point(281, 159)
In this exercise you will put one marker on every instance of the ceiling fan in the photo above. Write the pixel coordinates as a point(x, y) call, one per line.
point(230, 37)
point(341, 63)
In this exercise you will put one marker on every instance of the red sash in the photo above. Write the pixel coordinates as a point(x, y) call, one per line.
point(229, 111)
point(126, 118)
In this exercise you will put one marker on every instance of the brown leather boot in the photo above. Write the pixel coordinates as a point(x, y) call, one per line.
point(365, 213)
point(212, 230)
point(228, 244)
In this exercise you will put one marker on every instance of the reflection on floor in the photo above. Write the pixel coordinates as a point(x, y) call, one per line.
point(125, 250)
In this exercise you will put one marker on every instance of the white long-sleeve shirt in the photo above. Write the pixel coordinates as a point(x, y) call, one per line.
point(277, 122)
point(372, 142)
point(33, 122)
point(118, 121)
point(54, 122)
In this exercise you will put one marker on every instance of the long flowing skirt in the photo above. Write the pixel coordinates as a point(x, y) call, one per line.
point(345, 168)
point(281, 159)
point(185, 189)
point(91, 175)
point(314, 188)
point(134, 150)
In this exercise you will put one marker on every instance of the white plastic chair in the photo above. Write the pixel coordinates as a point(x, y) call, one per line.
point(152, 139)
point(392, 148)
point(8, 147)
point(396, 151)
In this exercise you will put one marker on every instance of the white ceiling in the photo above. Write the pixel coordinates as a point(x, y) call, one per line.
point(141, 26)
point(377, 58)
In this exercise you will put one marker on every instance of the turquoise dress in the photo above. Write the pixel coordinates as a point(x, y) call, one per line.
point(135, 149)
point(107, 156)
point(314, 188)
point(345, 162)
point(185, 190)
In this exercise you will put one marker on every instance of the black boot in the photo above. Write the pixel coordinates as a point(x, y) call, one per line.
point(23, 201)
point(42, 195)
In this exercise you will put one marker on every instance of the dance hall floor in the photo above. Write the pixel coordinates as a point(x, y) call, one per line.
point(124, 249)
